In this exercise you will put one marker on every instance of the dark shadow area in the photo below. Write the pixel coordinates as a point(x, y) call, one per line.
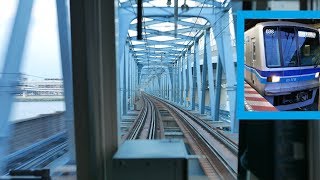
point(273, 149)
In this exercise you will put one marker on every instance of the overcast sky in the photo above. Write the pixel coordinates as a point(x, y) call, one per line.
point(42, 55)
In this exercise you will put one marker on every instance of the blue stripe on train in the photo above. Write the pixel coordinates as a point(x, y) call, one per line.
point(285, 72)
point(283, 79)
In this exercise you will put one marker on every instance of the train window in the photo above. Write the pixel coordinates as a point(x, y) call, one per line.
point(309, 47)
point(288, 47)
point(272, 47)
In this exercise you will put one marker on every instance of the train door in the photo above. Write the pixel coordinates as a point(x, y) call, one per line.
point(253, 58)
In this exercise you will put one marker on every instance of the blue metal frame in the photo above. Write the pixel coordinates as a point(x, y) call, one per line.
point(190, 78)
point(13, 60)
point(65, 53)
point(183, 84)
point(208, 58)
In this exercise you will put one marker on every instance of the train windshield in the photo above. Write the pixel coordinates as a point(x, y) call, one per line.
point(291, 47)
point(288, 46)
point(272, 47)
point(308, 41)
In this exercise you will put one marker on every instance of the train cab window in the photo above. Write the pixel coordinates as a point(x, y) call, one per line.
point(308, 42)
point(288, 46)
point(272, 47)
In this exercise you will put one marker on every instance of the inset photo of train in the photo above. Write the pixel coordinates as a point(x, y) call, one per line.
point(282, 63)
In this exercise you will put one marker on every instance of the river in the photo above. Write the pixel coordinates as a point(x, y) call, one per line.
point(23, 110)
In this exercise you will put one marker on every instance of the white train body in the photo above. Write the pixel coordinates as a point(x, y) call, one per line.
point(281, 63)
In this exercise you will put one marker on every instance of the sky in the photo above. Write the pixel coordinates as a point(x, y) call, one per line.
point(42, 54)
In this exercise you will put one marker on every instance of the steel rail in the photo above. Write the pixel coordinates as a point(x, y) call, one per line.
point(38, 154)
point(209, 148)
point(142, 121)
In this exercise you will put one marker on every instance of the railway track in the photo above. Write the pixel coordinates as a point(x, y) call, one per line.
point(145, 125)
point(38, 155)
point(218, 152)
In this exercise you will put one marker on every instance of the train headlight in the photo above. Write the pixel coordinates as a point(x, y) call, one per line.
point(273, 79)
point(316, 75)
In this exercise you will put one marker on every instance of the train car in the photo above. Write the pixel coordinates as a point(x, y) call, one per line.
point(281, 63)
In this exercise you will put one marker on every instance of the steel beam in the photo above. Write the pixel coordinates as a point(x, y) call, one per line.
point(129, 80)
point(180, 83)
point(191, 81)
point(123, 81)
point(204, 81)
point(185, 80)
point(171, 87)
point(210, 73)
point(182, 100)
point(223, 39)
point(218, 89)
point(65, 53)
point(198, 73)
point(12, 64)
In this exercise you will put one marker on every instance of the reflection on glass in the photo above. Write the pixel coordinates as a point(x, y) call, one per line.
point(308, 41)
point(272, 47)
point(289, 47)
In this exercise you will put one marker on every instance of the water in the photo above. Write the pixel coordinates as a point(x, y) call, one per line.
point(23, 110)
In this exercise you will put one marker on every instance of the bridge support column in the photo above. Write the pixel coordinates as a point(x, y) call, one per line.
point(197, 73)
point(123, 81)
point(204, 80)
point(12, 64)
point(218, 89)
point(171, 83)
point(135, 82)
point(177, 82)
point(65, 54)
point(185, 80)
point(130, 75)
point(191, 82)
point(210, 73)
point(223, 39)
point(182, 82)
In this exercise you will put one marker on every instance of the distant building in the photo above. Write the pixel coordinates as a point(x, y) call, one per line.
point(44, 87)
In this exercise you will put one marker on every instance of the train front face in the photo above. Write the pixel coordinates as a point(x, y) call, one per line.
point(292, 56)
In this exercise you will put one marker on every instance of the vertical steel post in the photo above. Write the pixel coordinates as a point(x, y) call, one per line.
point(129, 80)
point(176, 90)
point(182, 99)
point(180, 84)
point(171, 83)
point(185, 81)
point(191, 85)
point(127, 71)
point(124, 82)
point(210, 73)
point(223, 39)
point(218, 89)
point(198, 73)
point(204, 80)
point(65, 53)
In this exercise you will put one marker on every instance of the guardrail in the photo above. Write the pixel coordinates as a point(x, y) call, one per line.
point(28, 131)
